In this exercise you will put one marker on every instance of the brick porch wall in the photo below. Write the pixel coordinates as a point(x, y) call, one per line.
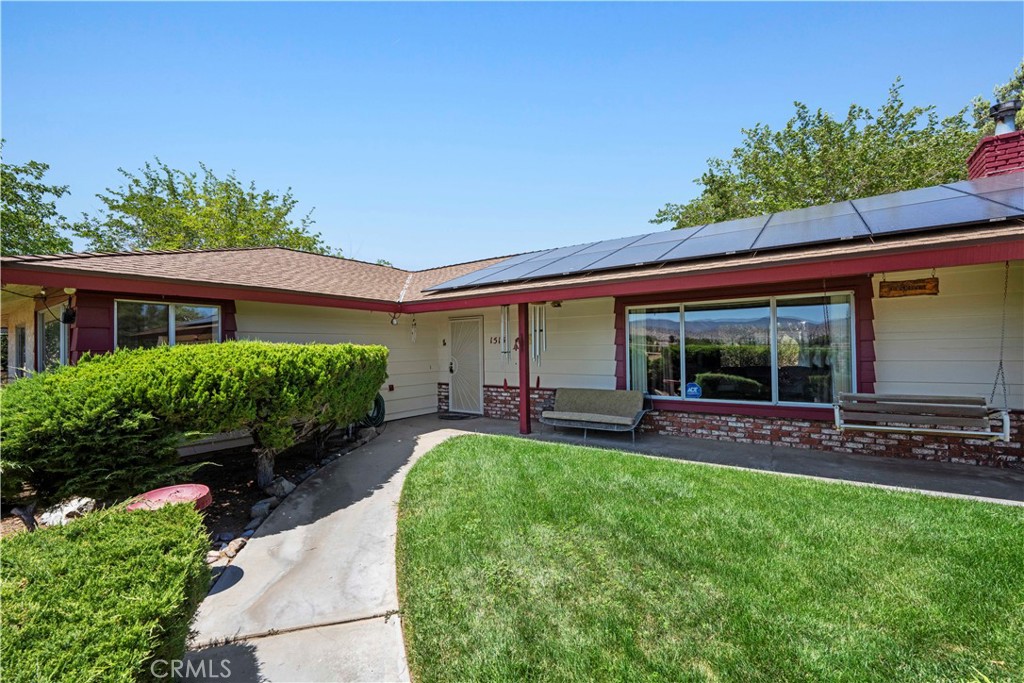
point(503, 404)
point(824, 436)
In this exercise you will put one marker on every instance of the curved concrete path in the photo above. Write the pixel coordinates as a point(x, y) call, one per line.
point(313, 597)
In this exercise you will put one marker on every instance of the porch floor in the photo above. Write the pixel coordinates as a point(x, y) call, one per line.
point(1002, 485)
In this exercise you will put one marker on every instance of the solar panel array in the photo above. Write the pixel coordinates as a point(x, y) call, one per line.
point(930, 208)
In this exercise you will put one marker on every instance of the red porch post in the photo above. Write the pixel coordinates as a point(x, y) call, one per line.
point(524, 368)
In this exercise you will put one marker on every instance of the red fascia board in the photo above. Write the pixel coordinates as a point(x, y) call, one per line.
point(968, 254)
point(55, 277)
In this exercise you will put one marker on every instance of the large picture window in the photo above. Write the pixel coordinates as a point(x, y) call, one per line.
point(729, 350)
point(794, 349)
point(142, 324)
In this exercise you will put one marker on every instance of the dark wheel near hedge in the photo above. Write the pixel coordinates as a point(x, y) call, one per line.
point(375, 418)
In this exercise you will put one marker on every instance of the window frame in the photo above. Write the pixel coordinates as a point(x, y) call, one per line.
point(772, 301)
point(171, 317)
point(62, 342)
point(20, 364)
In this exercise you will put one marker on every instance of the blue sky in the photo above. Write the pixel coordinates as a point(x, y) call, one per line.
point(438, 133)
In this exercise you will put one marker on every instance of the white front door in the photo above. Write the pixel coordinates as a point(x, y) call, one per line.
point(466, 366)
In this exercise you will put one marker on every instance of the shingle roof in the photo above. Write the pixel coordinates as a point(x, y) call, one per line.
point(286, 270)
point(262, 268)
point(272, 268)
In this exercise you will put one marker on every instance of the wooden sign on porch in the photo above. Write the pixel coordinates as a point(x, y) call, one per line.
point(888, 289)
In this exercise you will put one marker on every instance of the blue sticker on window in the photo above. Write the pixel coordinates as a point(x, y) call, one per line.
point(693, 390)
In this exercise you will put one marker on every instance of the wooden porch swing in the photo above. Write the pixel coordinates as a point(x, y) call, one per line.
point(957, 416)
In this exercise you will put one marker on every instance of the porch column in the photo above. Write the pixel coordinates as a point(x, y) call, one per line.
point(524, 368)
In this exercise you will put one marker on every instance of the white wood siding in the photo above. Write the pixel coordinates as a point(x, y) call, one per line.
point(580, 351)
point(412, 366)
point(949, 344)
point(20, 313)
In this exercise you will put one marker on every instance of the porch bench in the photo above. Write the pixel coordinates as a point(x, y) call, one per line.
point(604, 409)
point(958, 416)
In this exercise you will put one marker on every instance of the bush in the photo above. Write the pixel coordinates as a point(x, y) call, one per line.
point(721, 385)
point(109, 426)
point(100, 598)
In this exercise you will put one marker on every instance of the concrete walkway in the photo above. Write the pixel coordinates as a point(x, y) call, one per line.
point(313, 595)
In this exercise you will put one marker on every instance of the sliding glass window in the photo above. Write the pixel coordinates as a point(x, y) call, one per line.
point(815, 348)
point(795, 349)
point(654, 350)
point(143, 325)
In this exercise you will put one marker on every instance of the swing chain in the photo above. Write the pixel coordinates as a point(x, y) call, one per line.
point(1000, 371)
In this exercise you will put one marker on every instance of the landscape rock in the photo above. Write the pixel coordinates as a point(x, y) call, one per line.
point(247, 534)
point(366, 434)
point(254, 524)
point(260, 509)
point(212, 556)
point(234, 547)
point(59, 515)
point(280, 487)
point(306, 474)
point(219, 564)
point(223, 537)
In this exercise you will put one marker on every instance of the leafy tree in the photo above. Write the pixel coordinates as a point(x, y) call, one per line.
point(165, 208)
point(818, 159)
point(29, 219)
point(1010, 90)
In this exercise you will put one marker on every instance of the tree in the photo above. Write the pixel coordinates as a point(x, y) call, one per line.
point(29, 220)
point(1010, 90)
point(817, 159)
point(165, 208)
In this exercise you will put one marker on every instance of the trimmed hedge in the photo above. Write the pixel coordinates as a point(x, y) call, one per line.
point(101, 598)
point(109, 427)
point(721, 385)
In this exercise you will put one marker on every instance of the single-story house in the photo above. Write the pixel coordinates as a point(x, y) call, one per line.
point(743, 331)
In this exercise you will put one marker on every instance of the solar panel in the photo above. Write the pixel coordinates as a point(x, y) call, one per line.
point(1010, 198)
point(737, 225)
point(822, 212)
point(612, 245)
point(1009, 181)
point(842, 226)
point(907, 198)
point(961, 203)
point(724, 243)
point(571, 264)
point(516, 272)
point(667, 236)
point(492, 270)
point(963, 208)
point(632, 256)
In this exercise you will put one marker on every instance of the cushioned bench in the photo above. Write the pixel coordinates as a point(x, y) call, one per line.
point(605, 409)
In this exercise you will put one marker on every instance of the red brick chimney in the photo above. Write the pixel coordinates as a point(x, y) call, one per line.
point(1003, 152)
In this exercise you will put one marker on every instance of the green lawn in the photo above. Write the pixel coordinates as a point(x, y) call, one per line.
point(522, 560)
